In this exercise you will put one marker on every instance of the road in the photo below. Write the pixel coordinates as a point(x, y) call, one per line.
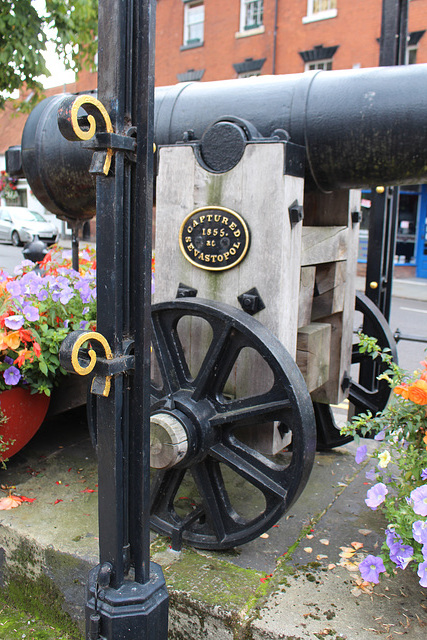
point(410, 316)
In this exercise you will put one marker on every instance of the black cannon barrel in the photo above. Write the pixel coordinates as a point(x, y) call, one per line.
point(363, 127)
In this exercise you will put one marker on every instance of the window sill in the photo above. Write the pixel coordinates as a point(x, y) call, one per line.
point(322, 15)
point(194, 45)
point(250, 32)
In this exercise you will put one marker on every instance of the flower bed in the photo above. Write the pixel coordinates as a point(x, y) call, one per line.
point(38, 308)
point(400, 475)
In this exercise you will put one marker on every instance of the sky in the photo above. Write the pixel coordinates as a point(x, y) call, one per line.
point(59, 74)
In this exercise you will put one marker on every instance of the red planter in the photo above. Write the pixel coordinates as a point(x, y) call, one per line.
point(25, 413)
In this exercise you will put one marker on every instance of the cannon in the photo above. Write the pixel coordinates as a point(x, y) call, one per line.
point(257, 214)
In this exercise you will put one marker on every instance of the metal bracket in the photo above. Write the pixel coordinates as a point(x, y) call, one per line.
point(103, 142)
point(296, 212)
point(251, 301)
point(83, 364)
point(184, 291)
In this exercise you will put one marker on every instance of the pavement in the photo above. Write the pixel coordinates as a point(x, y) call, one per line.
point(299, 580)
point(409, 288)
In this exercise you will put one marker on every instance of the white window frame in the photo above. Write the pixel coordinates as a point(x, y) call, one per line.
point(414, 50)
point(315, 65)
point(244, 28)
point(188, 24)
point(314, 15)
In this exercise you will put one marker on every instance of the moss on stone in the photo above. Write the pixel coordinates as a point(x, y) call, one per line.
point(213, 581)
point(28, 589)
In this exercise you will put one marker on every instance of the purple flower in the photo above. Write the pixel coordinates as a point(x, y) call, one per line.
point(419, 531)
point(401, 554)
point(12, 376)
point(3, 275)
point(31, 313)
point(424, 551)
point(371, 567)
point(14, 288)
point(424, 474)
point(361, 453)
point(56, 293)
point(42, 295)
point(66, 294)
point(380, 436)
point(371, 475)
point(422, 573)
point(83, 324)
point(391, 536)
point(419, 500)
point(376, 495)
point(14, 322)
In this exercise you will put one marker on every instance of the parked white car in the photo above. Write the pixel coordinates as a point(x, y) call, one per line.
point(19, 225)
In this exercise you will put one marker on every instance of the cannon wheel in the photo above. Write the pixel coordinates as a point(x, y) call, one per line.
point(203, 494)
point(367, 393)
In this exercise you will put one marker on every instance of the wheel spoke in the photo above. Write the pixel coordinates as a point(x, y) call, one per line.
point(250, 410)
point(164, 489)
point(220, 351)
point(363, 399)
point(169, 354)
point(209, 483)
point(253, 467)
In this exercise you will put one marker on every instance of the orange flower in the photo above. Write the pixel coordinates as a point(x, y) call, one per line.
point(37, 349)
point(401, 390)
point(3, 345)
point(12, 340)
point(9, 503)
point(25, 335)
point(23, 355)
point(417, 392)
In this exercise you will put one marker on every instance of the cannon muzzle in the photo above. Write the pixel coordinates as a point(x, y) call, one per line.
point(360, 128)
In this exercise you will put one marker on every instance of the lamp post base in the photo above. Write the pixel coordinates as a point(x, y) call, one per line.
point(133, 612)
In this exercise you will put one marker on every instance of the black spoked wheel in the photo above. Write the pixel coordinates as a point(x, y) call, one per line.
point(366, 392)
point(217, 484)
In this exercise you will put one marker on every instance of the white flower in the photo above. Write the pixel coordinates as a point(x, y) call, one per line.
point(384, 458)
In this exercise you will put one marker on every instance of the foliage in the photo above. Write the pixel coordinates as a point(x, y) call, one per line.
point(400, 474)
point(38, 308)
point(8, 188)
point(24, 32)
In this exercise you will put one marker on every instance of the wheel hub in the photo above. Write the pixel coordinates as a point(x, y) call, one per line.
point(168, 441)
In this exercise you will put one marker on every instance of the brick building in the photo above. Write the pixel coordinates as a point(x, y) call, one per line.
point(204, 40)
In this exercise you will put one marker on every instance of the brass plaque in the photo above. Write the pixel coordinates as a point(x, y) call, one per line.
point(214, 238)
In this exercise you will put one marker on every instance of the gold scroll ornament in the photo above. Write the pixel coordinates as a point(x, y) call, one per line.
point(96, 114)
point(84, 371)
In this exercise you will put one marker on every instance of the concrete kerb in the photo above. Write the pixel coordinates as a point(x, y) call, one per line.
point(280, 586)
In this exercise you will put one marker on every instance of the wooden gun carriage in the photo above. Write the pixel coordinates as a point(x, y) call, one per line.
point(257, 216)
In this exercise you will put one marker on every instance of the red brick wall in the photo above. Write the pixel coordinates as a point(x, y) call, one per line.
point(355, 29)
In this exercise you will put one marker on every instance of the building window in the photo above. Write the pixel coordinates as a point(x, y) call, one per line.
point(413, 40)
point(324, 65)
point(251, 14)
point(320, 10)
point(319, 57)
point(249, 67)
point(194, 22)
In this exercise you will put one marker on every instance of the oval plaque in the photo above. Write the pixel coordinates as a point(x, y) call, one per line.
point(214, 238)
